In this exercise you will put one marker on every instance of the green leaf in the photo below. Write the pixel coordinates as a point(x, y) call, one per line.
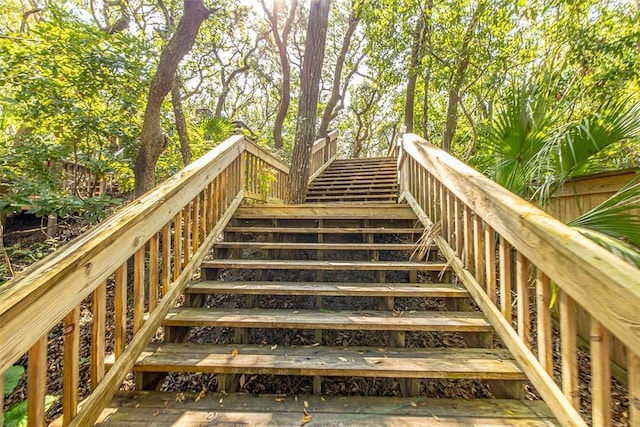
point(16, 416)
point(12, 377)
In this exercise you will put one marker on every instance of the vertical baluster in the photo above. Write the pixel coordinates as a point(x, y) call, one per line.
point(478, 250)
point(506, 274)
point(195, 225)
point(543, 318)
point(490, 261)
point(186, 234)
point(1, 398)
point(210, 202)
point(468, 239)
point(70, 368)
point(458, 227)
point(138, 289)
point(450, 219)
point(177, 245)
point(633, 368)
point(522, 289)
point(442, 208)
point(204, 199)
point(569, 349)
point(153, 272)
point(98, 327)
point(166, 258)
point(600, 374)
point(37, 382)
point(121, 309)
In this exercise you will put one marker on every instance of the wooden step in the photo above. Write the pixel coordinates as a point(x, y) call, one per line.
point(349, 191)
point(431, 290)
point(350, 185)
point(354, 179)
point(325, 230)
point(325, 211)
point(372, 197)
point(140, 408)
point(258, 264)
point(382, 169)
point(322, 246)
point(450, 363)
point(328, 319)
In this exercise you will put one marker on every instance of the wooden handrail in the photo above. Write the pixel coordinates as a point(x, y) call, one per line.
point(482, 221)
point(323, 153)
point(165, 233)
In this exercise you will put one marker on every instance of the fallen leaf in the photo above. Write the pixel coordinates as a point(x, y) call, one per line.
point(343, 359)
point(273, 347)
point(315, 344)
point(155, 414)
point(382, 349)
point(295, 312)
point(241, 381)
point(279, 399)
point(414, 404)
point(322, 398)
point(306, 404)
point(220, 402)
point(200, 395)
point(180, 397)
point(211, 415)
point(234, 353)
point(305, 420)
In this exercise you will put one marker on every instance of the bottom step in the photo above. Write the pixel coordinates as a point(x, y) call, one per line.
point(190, 409)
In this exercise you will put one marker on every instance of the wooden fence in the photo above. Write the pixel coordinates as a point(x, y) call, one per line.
point(157, 242)
point(507, 253)
point(582, 194)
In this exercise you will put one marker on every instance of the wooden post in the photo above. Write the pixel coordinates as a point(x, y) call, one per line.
point(153, 272)
point(524, 296)
point(138, 289)
point(543, 317)
point(52, 225)
point(506, 265)
point(569, 349)
point(177, 245)
point(70, 366)
point(166, 258)
point(98, 326)
point(600, 375)
point(633, 366)
point(478, 250)
point(37, 383)
point(490, 261)
point(121, 310)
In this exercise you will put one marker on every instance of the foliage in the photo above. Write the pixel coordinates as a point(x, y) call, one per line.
point(16, 416)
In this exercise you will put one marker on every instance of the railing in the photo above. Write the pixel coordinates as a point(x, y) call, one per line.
point(324, 152)
point(510, 254)
point(132, 266)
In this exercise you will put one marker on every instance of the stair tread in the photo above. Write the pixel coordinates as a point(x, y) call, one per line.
point(321, 246)
point(329, 319)
point(295, 264)
point(137, 408)
point(353, 196)
point(453, 363)
point(326, 211)
point(434, 290)
point(326, 230)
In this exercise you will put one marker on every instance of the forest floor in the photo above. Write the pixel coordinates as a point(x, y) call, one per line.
point(25, 242)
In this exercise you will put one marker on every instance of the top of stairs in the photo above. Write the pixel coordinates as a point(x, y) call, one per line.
point(368, 180)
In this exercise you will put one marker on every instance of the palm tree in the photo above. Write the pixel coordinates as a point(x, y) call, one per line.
point(534, 145)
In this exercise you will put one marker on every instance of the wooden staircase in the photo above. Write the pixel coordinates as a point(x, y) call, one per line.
point(335, 295)
point(356, 180)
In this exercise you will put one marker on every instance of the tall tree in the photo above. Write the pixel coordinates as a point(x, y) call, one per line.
point(308, 103)
point(281, 41)
point(153, 140)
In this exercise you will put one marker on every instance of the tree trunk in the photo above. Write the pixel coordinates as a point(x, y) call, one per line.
point(153, 141)
point(281, 43)
point(458, 79)
point(308, 104)
point(416, 55)
point(181, 123)
point(328, 114)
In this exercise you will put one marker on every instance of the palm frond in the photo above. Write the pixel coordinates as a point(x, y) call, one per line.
point(616, 246)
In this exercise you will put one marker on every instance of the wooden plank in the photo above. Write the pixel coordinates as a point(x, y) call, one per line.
point(506, 275)
point(326, 230)
point(550, 392)
point(490, 262)
point(595, 278)
point(153, 272)
point(432, 290)
point(166, 258)
point(177, 245)
point(524, 297)
point(256, 264)
point(70, 365)
point(569, 349)
point(325, 211)
point(138, 289)
point(120, 319)
point(543, 321)
point(98, 328)
point(330, 361)
point(600, 375)
point(37, 382)
point(321, 246)
point(136, 408)
point(329, 319)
